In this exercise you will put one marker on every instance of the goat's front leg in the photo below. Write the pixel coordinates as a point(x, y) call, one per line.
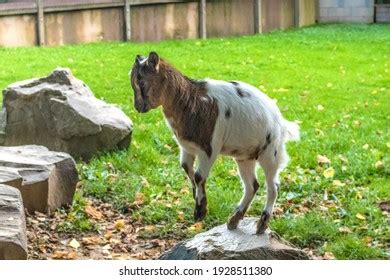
point(200, 177)
point(187, 163)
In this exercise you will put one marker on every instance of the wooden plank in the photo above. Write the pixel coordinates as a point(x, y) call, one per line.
point(18, 8)
point(146, 2)
point(62, 7)
point(81, 6)
point(16, 12)
point(127, 21)
point(41, 24)
point(257, 16)
point(202, 19)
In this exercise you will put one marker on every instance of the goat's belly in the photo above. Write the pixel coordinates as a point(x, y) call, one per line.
point(243, 141)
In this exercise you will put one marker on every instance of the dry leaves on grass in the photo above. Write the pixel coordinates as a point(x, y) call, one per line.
point(328, 256)
point(360, 216)
point(197, 227)
point(117, 237)
point(329, 172)
point(92, 212)
point(322, 159)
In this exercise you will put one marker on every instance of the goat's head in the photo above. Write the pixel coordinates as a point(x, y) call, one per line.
point(146, 81)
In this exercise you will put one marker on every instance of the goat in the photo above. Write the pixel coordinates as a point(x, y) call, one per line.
point(210, 117)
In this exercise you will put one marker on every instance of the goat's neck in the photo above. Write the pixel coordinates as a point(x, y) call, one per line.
point(180, 95)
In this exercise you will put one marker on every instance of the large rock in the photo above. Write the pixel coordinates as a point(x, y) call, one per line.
point(242, 243)
point(13, 240)
point(47, 180)
point(61, 113)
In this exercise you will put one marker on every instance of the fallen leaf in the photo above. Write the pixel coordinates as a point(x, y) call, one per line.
point(233, 172)
point(388, 144)
point(338, 183)
point(366, 146)
point(150, 228)
point(145, 182)
point(93, 213)
point(345, 230)
point(379, 164)
point(329, 256)
point(319, 132)
point(323, 208)
point(139, 198)
point(108, 235)
point(356, 123)
point(320, 107)
point(322, 159)
point(119, 224)
point(329, 173)
point(367, 239)
point(343, 158)
point(360, 216)
point(329, 85)
point(59, 255)
point(92, 240)
point(282, 90)
point(180, 216)
point(74, 244)
point(184, 191)
point(72, 255)
point(197, 227)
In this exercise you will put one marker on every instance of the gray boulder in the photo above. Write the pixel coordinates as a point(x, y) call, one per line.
point(47, 180)
point(61, 113)
point(219, 243)
point(13, 240)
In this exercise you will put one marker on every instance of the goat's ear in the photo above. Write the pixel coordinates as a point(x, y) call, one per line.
point(138, 59)
point(154, 60)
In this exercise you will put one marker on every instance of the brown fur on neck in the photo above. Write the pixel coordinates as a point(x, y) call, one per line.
point(187, 105)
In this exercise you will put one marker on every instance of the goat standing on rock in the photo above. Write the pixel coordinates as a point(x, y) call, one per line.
point(209, 118)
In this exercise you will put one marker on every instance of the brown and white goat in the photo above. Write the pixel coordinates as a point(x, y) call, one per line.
point(209, 118)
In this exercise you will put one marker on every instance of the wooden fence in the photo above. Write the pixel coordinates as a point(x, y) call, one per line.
point(58, 22)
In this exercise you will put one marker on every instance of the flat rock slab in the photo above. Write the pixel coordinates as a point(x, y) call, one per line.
point(47, 180)
point(219, 243)
point(61, 113)
point(13, 240)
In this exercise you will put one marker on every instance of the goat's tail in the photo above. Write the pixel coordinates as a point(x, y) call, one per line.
point(291, 131)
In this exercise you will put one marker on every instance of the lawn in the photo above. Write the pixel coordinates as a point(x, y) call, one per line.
point(332, 79)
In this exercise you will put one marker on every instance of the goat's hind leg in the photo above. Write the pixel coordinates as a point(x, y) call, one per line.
point(271, 167)
point(248, 177)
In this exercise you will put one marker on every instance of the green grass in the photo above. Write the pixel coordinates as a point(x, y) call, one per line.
point(343, 68)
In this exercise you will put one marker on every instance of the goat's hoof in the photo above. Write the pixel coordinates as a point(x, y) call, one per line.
point(262, 224)
point(200, 214)
point(234, 220)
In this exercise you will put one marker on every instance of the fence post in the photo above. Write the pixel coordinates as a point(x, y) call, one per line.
point(127, 20)
point(202, 19)
point(257, 16)
point(296, 13)
point(41, 23)
point(317, 7)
